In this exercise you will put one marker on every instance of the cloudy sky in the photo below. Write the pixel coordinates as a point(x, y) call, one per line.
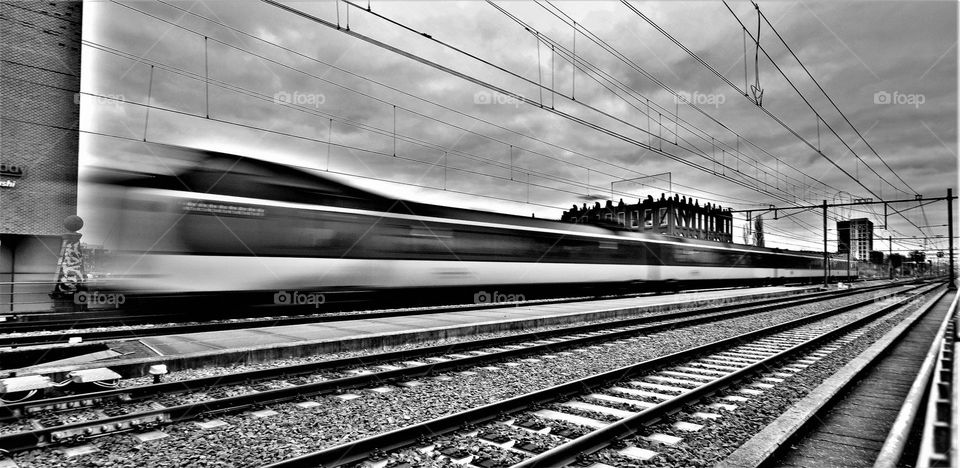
point(255, 79)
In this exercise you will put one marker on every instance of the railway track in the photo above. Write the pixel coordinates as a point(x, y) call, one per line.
point(893, 406)
point(602, 411)
point(139, 332)
point(134, 409)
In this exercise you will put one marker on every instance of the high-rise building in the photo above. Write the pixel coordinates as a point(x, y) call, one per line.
point(855, 236)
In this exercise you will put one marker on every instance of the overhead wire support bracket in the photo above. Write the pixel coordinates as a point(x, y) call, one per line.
point(573, 70)
point(755, 88)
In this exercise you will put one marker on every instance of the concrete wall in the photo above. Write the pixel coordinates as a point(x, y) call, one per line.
point(30, 261)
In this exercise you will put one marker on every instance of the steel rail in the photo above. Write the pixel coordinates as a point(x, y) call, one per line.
point(62, 338)
point(23, 409)
point(359, 450)
point(79, 431)
point(601, 438)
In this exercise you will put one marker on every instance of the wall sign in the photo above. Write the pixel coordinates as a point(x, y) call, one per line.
point(11, 170)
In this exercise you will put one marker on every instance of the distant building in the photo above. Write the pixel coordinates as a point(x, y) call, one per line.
point(855, 236)
point(674, 216)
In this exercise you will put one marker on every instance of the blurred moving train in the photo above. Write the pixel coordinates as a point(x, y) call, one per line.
point(224, 223)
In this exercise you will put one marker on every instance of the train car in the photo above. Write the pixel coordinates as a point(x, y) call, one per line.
point(225, 224)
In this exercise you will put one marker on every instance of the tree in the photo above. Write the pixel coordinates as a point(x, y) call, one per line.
point(876, 257)
point(918, 258)
point(896, 260)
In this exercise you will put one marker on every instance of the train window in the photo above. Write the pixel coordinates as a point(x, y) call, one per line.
point(608, 245)
point(663, 217)
point(647, 218)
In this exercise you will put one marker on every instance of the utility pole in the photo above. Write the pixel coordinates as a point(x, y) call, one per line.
point(952, 284)
point(889, 253)
point(826, 263)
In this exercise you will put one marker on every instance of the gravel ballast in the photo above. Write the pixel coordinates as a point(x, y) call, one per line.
point(252, 441)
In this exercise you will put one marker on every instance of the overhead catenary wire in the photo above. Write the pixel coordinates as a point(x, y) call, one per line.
point(498, 89)
point(528, 174)
point(561, 15)
point(783, 124)
point(391, 133)
point(842, 114)
point(402, 92)
point(825, 123)
point(516, 96)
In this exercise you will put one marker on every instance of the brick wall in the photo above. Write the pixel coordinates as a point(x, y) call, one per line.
point(39, 114)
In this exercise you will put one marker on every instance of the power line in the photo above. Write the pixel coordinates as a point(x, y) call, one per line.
point(498, 89)
point(620, 56)
point(821, 119)
point(726, 199)
point(784, 125)
point(862, 138)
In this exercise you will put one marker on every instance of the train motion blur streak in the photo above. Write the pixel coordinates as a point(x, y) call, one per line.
point(227, 223)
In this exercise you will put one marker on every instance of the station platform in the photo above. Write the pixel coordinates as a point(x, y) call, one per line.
point(193, 350)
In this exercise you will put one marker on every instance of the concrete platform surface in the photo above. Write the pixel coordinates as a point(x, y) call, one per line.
point(255, 337)
point(229, 347)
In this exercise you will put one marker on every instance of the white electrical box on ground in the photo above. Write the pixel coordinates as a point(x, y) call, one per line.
point(25, 383)
point(99, 374)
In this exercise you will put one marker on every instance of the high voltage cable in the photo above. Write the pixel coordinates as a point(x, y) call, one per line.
point(442, 106)
point(576, 62)
point(727, 199)
point(862, 138)
point(807, 102)
point(732, 170)
point(362, 126)
point(765, 110)
point(498, 89)
point(613, 51)
point(490, 86)
point(783, 124)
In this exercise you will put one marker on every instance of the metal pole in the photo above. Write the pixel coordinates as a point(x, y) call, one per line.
point(848, 262)
point(953, 284)
point(889, 253)
point(826, 263)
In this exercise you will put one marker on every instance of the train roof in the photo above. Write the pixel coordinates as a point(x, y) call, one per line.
point(241, 176)
point(206, 171)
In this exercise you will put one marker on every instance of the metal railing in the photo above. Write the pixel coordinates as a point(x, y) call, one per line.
point(26, 296)
point(937, 379)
